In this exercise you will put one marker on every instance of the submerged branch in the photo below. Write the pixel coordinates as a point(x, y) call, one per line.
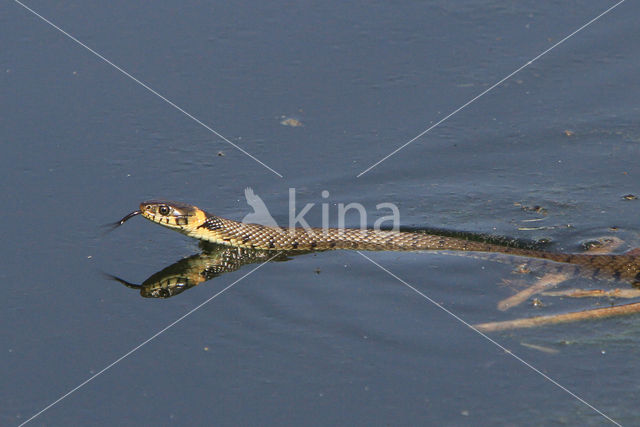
point(531, 322)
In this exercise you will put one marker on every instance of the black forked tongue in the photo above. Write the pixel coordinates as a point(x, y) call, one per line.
point(126, 218)
point(113, 226)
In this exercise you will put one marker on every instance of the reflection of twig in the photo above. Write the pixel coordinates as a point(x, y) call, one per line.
point(598, 313)
point(541, 348)
point(546, 227)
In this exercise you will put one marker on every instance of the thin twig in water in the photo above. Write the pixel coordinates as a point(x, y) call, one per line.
point(531, 322)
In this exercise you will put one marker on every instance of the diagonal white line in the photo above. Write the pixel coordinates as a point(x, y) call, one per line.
point(177, 107)
point(497, 344)
point(490, 88)
point(136, 348)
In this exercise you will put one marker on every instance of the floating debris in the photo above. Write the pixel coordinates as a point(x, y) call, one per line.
point(289, 121)
point(536, 208)
point(568, 132)
point(533, 220)
point(535, 228)
point(629, 197)
point(603, 245)
point(522, 269)
point(591, 245)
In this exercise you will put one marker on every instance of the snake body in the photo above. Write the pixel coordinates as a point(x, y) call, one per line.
point(197, 223)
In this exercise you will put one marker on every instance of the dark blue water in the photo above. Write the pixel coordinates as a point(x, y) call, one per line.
point(330, 337)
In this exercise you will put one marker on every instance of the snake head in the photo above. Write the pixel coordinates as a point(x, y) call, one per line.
point(170, 214)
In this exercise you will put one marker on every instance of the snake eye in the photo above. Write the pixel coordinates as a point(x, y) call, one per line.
point(163, 210)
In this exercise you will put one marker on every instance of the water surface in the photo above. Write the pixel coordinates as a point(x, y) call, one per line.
point(329, 337)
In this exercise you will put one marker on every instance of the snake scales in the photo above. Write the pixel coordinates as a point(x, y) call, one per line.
point(199, 224)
